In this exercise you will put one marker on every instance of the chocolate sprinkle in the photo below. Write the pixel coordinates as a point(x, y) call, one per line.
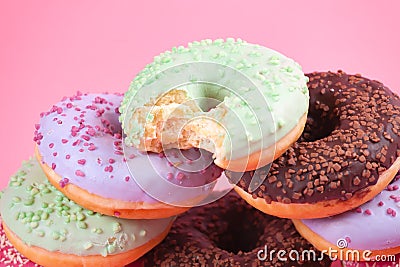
point(229, 232)
point(352, 135)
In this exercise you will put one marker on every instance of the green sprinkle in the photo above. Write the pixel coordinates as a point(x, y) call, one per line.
point(34, 225)
point(88, 245)
point(89, 212)
point(46, 191)
point(40, 233)
point(63, 238)
point(49, 210)
point(142, 233)
point(15, 184)
point(16, 216)
point(29, 202)
point(64, 231)
point(35, 218)
point(44, 216)
point(44, 205)
point(82, 225)
point(59, 198)
point(111, 249)
point(21, 215)
point(16, 199)
point(104, 253)
point(116, 227)
point(29, 188)
point(55, 235)
point(34, 191)
point(29, 229)
point(29, 214)
point(80, 216)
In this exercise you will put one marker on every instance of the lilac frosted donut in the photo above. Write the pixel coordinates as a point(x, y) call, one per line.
point(372, 228)
point(79, 145)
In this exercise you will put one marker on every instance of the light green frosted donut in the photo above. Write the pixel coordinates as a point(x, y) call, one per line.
point(262, 96)
point(41, 216)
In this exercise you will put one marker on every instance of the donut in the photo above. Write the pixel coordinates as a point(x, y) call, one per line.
point(372, 228)
point(79, 146)
point(348, 152)
point(229, 232)
point(215, 95)
point(51, 230)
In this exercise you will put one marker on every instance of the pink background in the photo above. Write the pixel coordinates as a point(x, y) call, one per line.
point(50, 49)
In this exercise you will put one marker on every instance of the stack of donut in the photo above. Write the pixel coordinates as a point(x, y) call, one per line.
point(113, 174)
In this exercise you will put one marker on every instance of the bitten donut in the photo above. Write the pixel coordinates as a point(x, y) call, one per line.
point(215, 95)
point(52, 230)
point(79, 146)
point(373, 226)
point(348, 153)
point(229, 232)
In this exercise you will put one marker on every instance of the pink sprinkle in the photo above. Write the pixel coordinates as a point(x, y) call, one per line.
point(77, 142)
point(170, 176)
point(368, 212)
point(380, 204)
point(359, 210)
point(74, 129)
point(68, 156)
point(117, 213)
point(64, 141)
point(392, 196)
point(51, 145)
point(79, 173)
point(86, 144)
point(117, 143)
point(347, 239)
point(55, 154)
point(118, 135)
point(161, 155)
point(91, 132)
point(69, 105)
point(59, 122)
point(132, 156)
point(37, 126)
point(53, 166)
point(391, 212)
point(66, 180)
point(85, 137)
point(117, 152)
point(395, 187)
point(59, 110)
point(91, 147)
point(180, 176)
point(127, 178)
point(74, 134)
point(111, 160)
point(99, 161)
point(81, 150)
point(82, 161)
point(108, 168)
point(124, 159)
point(170, 163)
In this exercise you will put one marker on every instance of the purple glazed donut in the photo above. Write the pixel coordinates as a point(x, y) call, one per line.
point(79, 145)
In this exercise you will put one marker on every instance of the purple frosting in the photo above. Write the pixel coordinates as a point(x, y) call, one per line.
point(80, 139)
point(372, 226)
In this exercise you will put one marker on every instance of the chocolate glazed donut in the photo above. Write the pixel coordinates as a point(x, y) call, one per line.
point(348, 152)
point(229, 232)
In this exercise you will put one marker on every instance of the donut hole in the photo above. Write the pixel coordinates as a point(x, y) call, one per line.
point(207, 96)
point(240, 231)
point(322, 120)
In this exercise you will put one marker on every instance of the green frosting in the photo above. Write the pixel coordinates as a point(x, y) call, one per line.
point(42, 216)
point(264, 93)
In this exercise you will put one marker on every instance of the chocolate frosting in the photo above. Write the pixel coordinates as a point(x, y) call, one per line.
point(230, 232)
point(351, 136)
